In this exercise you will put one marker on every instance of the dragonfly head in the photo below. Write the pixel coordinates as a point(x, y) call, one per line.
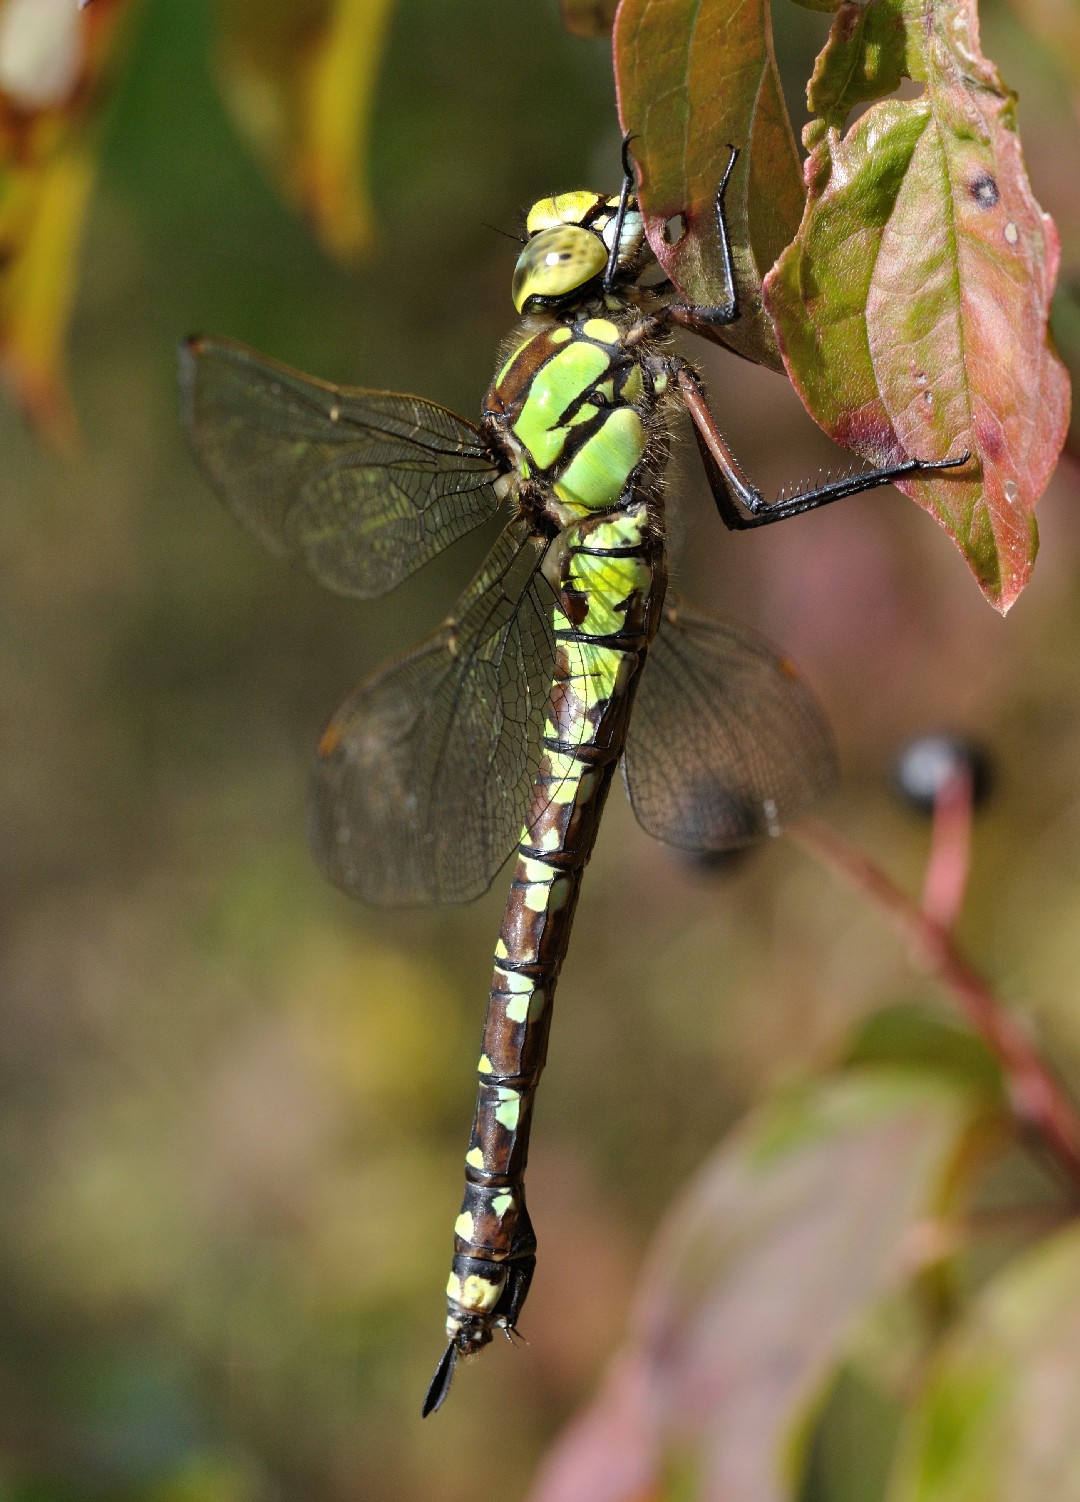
point(568, 247)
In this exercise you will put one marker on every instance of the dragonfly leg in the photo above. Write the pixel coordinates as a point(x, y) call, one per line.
point(620, 217)
point(517, 1290)
point(705, 320)
point(741, 505)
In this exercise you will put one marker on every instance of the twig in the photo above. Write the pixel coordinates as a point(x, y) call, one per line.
point(949, 862)
point(1037, 1097)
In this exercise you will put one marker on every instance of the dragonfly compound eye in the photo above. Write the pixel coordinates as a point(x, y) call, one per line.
point(557, 262)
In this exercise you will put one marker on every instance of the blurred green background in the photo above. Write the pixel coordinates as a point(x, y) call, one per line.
point(233, 1105)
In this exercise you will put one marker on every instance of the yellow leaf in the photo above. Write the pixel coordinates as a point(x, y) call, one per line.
point(53, 62)
point(40, 227)
point(300, 81)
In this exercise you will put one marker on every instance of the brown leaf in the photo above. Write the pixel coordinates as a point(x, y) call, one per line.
point(692, 79)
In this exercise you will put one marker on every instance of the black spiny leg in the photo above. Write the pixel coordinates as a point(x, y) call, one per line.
point(624, 196)
point(517, 1289)
point(702, 320)
point(741, 505)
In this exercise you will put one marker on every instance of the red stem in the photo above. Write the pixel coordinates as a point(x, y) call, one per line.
point(1037, 1097)
point(949, 861)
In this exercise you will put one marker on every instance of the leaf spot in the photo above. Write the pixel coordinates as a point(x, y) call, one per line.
point(985, 191)
point(1012, 490)
point(1012, 234)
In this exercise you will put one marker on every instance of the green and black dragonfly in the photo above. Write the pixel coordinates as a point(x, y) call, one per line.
point(499, 735)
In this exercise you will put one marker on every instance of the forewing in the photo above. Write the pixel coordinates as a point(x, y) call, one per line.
point(358, 487)
point(726, 742)
point(422, 779)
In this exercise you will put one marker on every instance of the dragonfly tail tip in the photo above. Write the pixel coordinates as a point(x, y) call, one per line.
point(435, 1396)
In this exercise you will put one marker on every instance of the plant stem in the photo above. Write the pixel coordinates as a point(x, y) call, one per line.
point(1037, 1097)
point(949, 862)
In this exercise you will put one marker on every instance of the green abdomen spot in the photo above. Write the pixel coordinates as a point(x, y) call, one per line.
point(596, 476)
point(554, 388)
point(611, 587)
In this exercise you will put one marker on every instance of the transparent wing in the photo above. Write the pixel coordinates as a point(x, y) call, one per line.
point(726, 742)
point(422, 779)
point(358, 487)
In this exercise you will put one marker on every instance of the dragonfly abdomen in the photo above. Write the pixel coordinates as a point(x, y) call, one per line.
point(610, 587)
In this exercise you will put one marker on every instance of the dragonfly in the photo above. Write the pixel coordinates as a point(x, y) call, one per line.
point(566, 656)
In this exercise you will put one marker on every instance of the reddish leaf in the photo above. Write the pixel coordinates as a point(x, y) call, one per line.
point(588, 18)
point(759, 1280)
point(692, 77)
point(609, 1454)
point(912, 306)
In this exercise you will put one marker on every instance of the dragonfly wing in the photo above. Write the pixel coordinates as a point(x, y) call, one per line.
point(358, 487)
point(422, 779)
point(726, 742)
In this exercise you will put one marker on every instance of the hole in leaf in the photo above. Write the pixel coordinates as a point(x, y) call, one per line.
point(674, 229)
point(908, 89)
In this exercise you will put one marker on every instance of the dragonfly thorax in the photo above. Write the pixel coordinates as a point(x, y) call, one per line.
point(573, 407)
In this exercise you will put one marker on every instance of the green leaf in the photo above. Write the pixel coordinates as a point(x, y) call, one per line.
point(299, 77)
point(998, 1417)
point(865, 58)
point(694, 76)
point(912, 305)
point(755, 1287)
point(911, 1037)
point(820, 5)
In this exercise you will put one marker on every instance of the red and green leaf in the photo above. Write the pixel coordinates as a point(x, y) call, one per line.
point(693, 78)
point(758, 1284)
point(912, 305)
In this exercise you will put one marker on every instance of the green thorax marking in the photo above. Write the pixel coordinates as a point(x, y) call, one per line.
point(599, 472)
point(570, 393)
point(572, 371)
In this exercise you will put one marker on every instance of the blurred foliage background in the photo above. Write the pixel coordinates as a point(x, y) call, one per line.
point(232, 1105)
